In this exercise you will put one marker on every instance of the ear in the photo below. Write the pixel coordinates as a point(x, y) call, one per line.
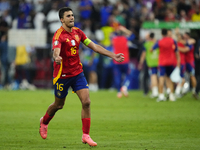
point(62, 20)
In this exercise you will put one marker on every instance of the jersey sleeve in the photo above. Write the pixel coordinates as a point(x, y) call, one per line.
point(176, 47)
point(56, 41)
point(144, 48)
point(190, 46)
point(155, 45)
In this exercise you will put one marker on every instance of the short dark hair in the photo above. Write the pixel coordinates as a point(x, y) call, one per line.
point(188, 34)
point(164, 32)
point(63, 10)
point(151, 35)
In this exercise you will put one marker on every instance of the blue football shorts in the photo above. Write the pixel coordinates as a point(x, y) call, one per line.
point(190, 68)
point(182, 71)
point(76, 83)
point(165, 70)
point(153, 70)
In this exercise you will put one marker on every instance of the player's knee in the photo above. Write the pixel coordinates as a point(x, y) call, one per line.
point(60, 107)
point(86, 103)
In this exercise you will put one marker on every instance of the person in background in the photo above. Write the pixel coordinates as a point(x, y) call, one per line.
point(190, 64)
point(167, 52)
point(182, 48)
point(4, 51)
point(152, 62)
point(68, 71)
point(197, 67)
point(120, 45)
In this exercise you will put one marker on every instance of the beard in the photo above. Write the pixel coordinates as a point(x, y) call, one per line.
point(70, 25)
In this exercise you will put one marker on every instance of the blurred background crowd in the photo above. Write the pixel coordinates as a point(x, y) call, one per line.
point(99, 19)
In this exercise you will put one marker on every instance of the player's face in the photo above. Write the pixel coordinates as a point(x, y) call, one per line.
point(68, 19)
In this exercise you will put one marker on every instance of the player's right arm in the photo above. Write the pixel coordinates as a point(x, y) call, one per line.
point(99, 49)
point(56, 56)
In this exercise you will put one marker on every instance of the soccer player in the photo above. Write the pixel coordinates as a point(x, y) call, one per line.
point(190, 64)
point(152, 62)
point(182, 48)
point(167, 54)
point(120, 44)
point(68, 71)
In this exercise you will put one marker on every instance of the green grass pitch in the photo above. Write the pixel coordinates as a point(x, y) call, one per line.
point(133, 123)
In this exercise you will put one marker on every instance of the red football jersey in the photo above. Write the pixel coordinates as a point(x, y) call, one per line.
point(189, 56)
point(182, 55)
point(167, 55)
point(69, 43)
point(120, 45)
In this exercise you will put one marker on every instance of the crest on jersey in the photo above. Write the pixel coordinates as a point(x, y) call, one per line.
point(77, 38)
point(56, 43)
point(73, 42)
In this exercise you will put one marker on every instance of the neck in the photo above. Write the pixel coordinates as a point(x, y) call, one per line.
point(67, 28)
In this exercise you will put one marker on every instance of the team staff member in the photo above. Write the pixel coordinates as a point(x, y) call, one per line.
point(152, 62)
point(68, 71)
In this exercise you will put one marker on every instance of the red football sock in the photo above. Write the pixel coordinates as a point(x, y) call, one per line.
point(86, 125)
point(47, 118)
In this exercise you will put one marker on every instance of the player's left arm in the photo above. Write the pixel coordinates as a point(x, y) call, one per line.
point(99, 49)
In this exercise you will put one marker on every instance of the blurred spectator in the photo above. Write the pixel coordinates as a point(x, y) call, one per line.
point(192, 9)
point(14, 11)
point(85, 8)
point(3, 51)
point(105, 12)
point(126, 13)
point(159, 9)
point(118, 17)
point(38, 5)
point(4, 5)
point(144, 15)
point(21, 21)
point(90, 58)
point(107, 32)
point(6, 16)
point(196, 15)
point(148, 4)
point(47, 6)
point(95, 15)
point(183, 16)
point(25, 70)
point(53, 21)
point(90, 62)
point(170, 16)
point(181, 5)
point(107, 73)
point(38, 20)
point(74, 5)
point(25, 7)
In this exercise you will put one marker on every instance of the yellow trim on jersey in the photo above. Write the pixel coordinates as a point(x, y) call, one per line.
point(58, 75)
point(87, 41)
point(75, 28)
point(58, 33)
